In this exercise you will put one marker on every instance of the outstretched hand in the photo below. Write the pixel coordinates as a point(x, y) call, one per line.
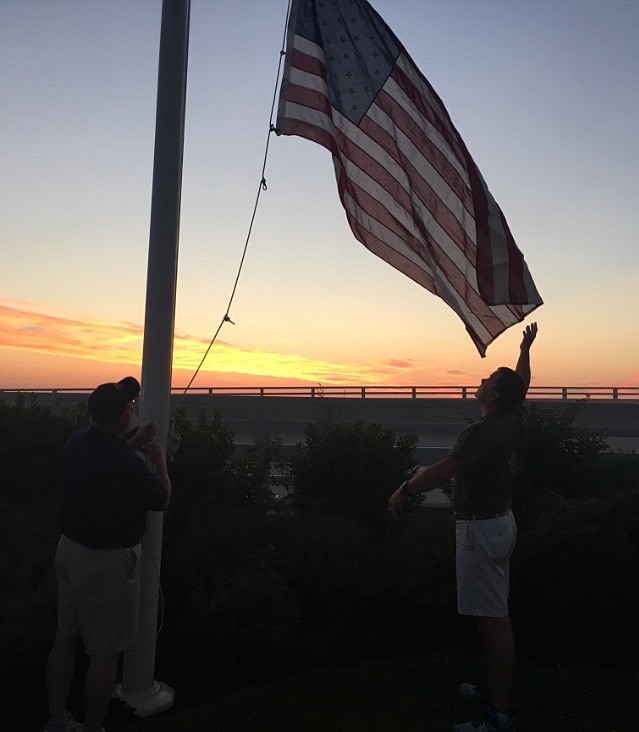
point(529, 336)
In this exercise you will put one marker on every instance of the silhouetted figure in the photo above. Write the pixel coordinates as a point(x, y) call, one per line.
point(104, 493)
point(482, 464)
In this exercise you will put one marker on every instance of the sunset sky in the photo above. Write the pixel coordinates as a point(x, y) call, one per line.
point(544, 92)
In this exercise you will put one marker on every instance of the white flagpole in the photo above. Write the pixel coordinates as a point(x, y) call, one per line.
point(139, 688)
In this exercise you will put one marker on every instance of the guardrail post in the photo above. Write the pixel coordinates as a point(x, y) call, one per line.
point(464, 392)
point(564, 392)
point(414, 392)
point(615, 393)
point(363, 392)
point(312, 392)
point(261, 391)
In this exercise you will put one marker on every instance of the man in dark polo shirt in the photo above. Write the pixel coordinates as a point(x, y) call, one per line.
point(104, 493)
point(482, 465)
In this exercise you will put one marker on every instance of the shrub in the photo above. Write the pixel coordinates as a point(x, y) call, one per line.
point(250, 592)
point(207, 473)
point(577, 558)
point(574, 583)
point(350, 469)
point(560, 460)
point(32, 439)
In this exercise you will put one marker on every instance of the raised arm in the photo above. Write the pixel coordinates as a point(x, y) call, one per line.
point(523, 362)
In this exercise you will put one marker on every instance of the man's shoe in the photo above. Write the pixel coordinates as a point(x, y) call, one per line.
point(474, 692)
point(483, 725)
point(488, 723)
point(69, 725)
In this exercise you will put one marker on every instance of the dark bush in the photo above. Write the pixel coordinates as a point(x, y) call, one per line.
point(575, 589)
point(253, 587)
point(577, 558)
point(560, 460)
point(32, 439)
point(209, 473)
point(350, 469)
point(560, 455)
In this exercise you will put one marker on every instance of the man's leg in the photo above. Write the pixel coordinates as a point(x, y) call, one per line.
point(60, 674)
point(498, 642)
point(98, 690)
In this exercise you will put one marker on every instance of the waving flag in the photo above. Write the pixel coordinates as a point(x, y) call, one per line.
point(411, 191)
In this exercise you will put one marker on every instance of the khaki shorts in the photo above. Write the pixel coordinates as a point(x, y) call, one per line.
point(483, 555)
point(98, 595)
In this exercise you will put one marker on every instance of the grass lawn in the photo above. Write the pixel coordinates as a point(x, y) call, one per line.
point(407, 695)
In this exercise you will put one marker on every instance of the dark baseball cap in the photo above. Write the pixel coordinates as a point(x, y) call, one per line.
point(108, 401)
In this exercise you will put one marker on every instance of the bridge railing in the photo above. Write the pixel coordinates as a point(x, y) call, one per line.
point(614, 393)
point(425, 392)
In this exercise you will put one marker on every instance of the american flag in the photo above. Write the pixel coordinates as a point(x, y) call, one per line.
point(411, 191)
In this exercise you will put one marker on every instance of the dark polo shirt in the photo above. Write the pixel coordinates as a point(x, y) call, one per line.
point(104, 491)
point(487, 455)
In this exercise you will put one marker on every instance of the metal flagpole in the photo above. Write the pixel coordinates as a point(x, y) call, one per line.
point(139, 688)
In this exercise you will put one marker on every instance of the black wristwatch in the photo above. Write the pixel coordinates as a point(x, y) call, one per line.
point(403, 488)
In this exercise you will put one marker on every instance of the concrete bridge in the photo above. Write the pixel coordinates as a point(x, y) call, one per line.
point(436, 421)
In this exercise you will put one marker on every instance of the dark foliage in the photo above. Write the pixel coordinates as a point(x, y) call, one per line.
point(350, 469)
point(254, 588)
point(560, 460)
point(209, 474)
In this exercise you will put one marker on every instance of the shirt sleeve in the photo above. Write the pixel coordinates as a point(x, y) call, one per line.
point(469, 447)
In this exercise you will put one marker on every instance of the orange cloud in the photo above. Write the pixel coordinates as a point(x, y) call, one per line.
point(94, 340)
point(400, 364)
point(121, 344)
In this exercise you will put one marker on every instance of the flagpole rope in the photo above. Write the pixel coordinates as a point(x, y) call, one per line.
point(262, 187)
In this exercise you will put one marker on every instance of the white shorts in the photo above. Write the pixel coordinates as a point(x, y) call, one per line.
point(98, 595)
point(484, 548)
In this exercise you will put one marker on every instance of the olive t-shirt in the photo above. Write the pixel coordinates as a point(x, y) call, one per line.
point(487, 455)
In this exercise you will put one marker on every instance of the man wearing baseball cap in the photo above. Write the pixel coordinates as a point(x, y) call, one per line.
point(104, 493)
